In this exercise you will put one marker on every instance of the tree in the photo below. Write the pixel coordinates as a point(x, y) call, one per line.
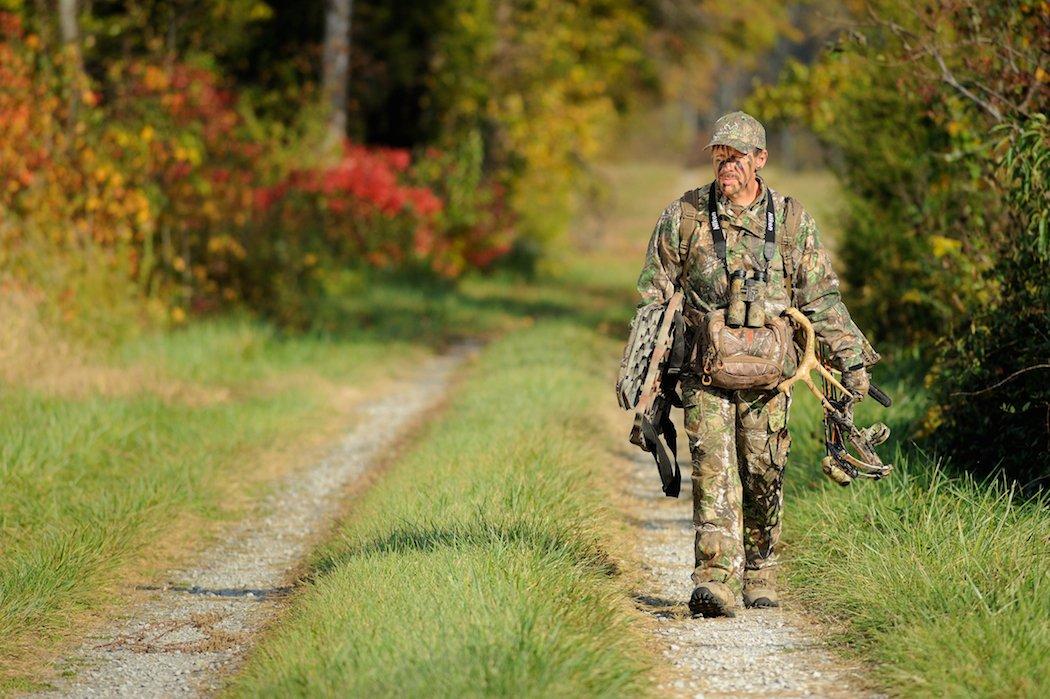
point(335, 70)
point(70, 31)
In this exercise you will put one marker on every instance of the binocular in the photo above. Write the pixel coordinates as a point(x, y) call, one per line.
point(746, 299)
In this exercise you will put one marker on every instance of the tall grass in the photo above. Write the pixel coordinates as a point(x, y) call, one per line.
point(94, 479)
point(476, 566)
point(941, 581)
point(105, 451)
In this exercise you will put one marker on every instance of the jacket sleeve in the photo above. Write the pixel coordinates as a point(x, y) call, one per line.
point(662, 265)
point(817, 295)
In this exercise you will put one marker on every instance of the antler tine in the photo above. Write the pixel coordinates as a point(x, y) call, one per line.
point(809, 363)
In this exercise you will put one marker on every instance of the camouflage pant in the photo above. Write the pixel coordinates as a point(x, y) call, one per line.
point(739, 443)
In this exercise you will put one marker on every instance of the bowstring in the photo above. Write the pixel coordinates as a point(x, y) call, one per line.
point(831, 392)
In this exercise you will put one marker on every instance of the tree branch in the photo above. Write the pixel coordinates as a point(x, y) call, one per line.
point(994, 386)
point(946, 76)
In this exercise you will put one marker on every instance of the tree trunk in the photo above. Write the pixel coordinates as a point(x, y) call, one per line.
point(67, 21)
point(70, 34)
point(335, 71)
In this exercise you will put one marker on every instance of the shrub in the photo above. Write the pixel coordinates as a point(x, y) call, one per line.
point(155, 187)
point(934, 111)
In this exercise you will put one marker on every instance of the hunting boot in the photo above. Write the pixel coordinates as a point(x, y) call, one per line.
point(712, 599)
point(760, 589)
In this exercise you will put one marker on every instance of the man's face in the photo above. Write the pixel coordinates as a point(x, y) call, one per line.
point(735, 170)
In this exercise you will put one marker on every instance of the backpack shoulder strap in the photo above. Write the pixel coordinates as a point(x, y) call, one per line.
point(690, 221)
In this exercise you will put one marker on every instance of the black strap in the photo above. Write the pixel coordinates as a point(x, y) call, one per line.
point(717, 234)
point(719, 237)
point(649, 434)
point(770, 247)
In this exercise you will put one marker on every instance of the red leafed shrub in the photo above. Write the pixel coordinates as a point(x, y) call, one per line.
point(374, 205)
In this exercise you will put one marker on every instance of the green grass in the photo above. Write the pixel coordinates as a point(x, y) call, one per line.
point(941, 582)
point(476, 566)
point(92, 482)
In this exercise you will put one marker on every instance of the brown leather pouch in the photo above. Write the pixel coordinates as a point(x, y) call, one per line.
point(740, 358)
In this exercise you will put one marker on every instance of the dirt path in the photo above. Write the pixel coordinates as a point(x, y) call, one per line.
point(199, 622)
point(759, 653)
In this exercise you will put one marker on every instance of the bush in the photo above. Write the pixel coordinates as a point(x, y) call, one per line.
point(934, 114)
point(155, 187)
point(994, 381)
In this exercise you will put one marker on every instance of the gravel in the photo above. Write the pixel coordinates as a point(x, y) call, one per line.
point(759, 653)
point(199, 622)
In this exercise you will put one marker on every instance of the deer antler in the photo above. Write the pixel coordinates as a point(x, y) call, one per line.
point(809, 363)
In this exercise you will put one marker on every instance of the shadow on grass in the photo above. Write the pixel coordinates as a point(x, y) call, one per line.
point(546, 541)
point(398, 308)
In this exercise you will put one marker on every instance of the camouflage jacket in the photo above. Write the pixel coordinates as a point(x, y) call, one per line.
point(705, 281)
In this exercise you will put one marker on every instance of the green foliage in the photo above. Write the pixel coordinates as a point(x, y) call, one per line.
point(994, 380)
point(914, 154)
point(543, 82)
point(921, 106)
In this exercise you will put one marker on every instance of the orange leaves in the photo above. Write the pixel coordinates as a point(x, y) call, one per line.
point(154, 79)
point(160, 179)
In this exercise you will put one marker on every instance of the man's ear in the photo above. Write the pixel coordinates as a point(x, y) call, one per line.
point(761, 155)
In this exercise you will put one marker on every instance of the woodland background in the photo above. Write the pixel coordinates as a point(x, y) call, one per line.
point(161, 162)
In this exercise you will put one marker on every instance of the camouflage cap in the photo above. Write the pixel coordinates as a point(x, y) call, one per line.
point(740, 131)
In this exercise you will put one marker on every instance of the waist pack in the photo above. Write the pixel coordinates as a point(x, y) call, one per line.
point(740, 358)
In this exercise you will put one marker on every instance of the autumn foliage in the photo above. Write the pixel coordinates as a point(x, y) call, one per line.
point(154, 178)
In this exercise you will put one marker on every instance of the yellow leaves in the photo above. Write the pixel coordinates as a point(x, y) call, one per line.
point(260, 12)
point(147, 133)
point(911, 296)
point(1041, 75)
point(954, 128)
point(467, 21)
point(178, 315)
point(188, 153)
point(178, 264)
point(941, 245)
point(226, 244)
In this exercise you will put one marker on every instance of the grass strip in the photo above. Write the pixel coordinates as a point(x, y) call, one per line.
point(476, 566)
point(941, 581)
point(91, 483)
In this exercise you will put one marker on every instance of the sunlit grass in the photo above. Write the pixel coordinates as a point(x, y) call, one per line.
point(942, 583)
point(93, 480)
point(476, 566)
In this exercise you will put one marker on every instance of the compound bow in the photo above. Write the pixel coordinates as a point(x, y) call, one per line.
point(840, 434)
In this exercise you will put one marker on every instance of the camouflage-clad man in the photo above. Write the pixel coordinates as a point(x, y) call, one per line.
point(738, 439)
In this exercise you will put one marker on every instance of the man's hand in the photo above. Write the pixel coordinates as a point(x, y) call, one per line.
point(856, 381)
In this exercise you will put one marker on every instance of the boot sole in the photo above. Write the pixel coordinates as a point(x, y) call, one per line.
point(704, 603)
